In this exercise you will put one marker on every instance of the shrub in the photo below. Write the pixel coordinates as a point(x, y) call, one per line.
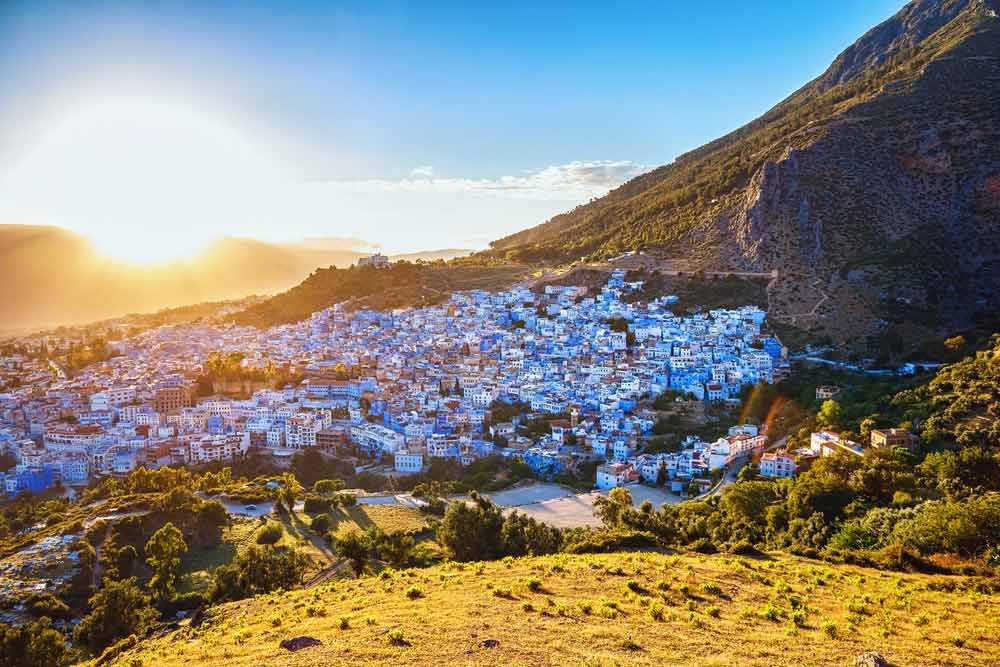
point(321, 523)
point(270, 533)
point(534, 584)
point(634, 586)
point(656, 612)
point(414, 592)
point(830, 629)
point(607, 541)
point(316, 505)
point(344, 623)
point(770, 613)
point(709, 588)
point(527, 606)
point(714, 612)
point(503, 593)
point(397, 638)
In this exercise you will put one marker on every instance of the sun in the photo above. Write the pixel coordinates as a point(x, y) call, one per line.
point(147, 180)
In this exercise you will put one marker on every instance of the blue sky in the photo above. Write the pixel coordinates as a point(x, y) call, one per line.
point(414, 114)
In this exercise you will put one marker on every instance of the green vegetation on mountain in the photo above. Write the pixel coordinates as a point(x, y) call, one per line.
point(402, 285)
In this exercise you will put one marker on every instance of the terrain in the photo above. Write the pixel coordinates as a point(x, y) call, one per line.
point(51, 276)
point(401, 285)
point(642, 608)
point(874, 190)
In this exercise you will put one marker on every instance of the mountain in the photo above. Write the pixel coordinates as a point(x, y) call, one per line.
point(50, 276)
point(874, 190)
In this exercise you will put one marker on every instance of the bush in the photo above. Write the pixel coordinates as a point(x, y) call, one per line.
point(397, 638)
point(321, 524)
point(257, 570)
point(534, 584)
point(830, 629)
point(414, 592)
point(31, 645)
point(47, 605)
point(316, 505)
point(709, 588)
point(270, 533)
point(607, 541)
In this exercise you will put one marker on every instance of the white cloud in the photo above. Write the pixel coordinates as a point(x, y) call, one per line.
point(423, 171)
point(575, 180)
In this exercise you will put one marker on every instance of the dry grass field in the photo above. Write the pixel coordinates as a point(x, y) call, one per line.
point(637, 608)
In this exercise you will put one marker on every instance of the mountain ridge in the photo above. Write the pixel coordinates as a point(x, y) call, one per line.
point(894, 142)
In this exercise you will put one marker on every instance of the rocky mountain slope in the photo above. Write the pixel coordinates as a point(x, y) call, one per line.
point(874, 190)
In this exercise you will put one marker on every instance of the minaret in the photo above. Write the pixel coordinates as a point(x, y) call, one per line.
point(574, 415)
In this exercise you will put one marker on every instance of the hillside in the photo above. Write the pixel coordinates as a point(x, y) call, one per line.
point(641, 608)
point(54, 277)
point(874, 189)
point(399, 286)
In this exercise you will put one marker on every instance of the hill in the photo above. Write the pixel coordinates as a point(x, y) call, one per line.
point(401, 285)
point(874, 189)
point(643, 608)
point(54, 277)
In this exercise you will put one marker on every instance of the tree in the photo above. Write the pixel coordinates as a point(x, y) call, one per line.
point(328, 486)
point(396, 548)
point(31, 645)
point(610, 509)
point(118, 610)
point(830, 415)
point(471, 530)
point(164, 550)
point(125, 561)
point(353, 548)
point(257, 570)
point(524, 536)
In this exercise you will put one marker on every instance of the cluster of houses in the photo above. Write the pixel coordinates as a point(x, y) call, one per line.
point(691, 467)
point(405, 387)
point(784, 463)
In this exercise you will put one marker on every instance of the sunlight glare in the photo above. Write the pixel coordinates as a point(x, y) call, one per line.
point(146, 180)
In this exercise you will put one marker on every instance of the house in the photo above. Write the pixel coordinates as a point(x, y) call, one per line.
point(408, 462)
point(892, 437)
point(378, 260)
point(611, 475)
point(827, 391)
point(826, 443)
point(777, 465)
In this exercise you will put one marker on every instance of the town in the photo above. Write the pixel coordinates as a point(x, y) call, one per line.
point(471, 378)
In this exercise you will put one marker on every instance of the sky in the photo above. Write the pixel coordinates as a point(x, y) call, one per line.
point(153, 128)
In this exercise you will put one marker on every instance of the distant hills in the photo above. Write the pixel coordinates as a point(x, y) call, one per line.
point(50, 276)
point(874, 189)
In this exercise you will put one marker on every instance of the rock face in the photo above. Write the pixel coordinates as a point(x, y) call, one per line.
point(874, 190)
point(299, 643)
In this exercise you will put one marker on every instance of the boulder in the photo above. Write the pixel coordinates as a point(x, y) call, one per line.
point(489, 643)
point(871, 660)
point(299, 643)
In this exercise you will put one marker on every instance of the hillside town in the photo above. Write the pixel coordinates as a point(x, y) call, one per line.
point(401, 389)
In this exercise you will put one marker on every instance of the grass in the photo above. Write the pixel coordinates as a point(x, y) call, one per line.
point(588, 616)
